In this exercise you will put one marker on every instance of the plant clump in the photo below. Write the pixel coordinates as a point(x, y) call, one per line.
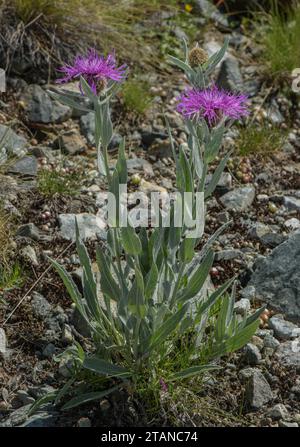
point(154, 325)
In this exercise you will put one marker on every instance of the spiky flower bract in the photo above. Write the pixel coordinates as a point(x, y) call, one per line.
point(212, 104)
point(197, 56)
point(95, 69)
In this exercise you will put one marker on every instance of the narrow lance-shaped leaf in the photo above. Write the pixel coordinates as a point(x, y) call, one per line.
point(109, 286)
point(213, 298)
point(217, 175)
point(87, 397)
point(167, 327)
point(136, 299)
point(151, 281)
point(192, 371)
point(85, 260)
point(216, 58)
point(130, 241)
point(70, 102)
point(105, 368)
point(70, 286)
point(196, 282)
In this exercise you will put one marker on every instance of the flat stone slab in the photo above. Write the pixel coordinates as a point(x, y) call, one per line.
point(288, 353)
point(90, 226)
point(277, 278)
point(239, 199)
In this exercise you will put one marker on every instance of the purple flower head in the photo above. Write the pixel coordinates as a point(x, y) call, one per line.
point(212, 104)
point(163, 385)
point(94, 69)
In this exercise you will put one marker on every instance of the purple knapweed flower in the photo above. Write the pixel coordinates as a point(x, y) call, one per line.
point(95, 69)
point(212, 104)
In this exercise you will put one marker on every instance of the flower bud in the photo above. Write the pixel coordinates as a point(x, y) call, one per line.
point(197, 56)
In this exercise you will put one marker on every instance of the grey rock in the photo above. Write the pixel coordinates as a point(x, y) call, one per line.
point(251, 354)
point(272, 240)
point(30, 231)
point(242, 306)
point(42, 419)
point(252, 87)
point(84, 422)
point(223, 217)
point(291, 203)
point(40, 306)
point(90, 226)
point(87, 127)
point(70, 143)
point(14, 144)
point(275, 116)
point(46, 417)
point(284, 330)
point(239, 199)
point(39, 391)
point(248, 293)
point(67, 336)
point(288, 424)
point(228, 255)
point(10, 208)
point(288, 353)
point(225, 182)
point(17, 417)
point(271, 342)
point(278, 412)
point(277, 278)
point(230, 77)
point(40, 108)
point(23, 397)
point(295, 390)
point(26, 166)
point(209, 11)
point(292, 224)
point(3, 155)
point(246, 373)
point(160, 149)
point(50, 350)
point(3, 344)
point(149, 137)
point(258, 392)
point(65, 367)
point(265, 235)
point(29, 254)
point(258, 230)
point(138, 165)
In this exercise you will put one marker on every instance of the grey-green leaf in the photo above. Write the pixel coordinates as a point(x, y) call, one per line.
point(105, 368)
point(87, 397)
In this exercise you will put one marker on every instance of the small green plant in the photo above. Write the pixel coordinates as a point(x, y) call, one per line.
point(59, 181)
point(262, 140)
point(281, 40)
point(11, 277)
point(150, 312)
point(6, 231)
point(136, 97)
point(10, 271)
